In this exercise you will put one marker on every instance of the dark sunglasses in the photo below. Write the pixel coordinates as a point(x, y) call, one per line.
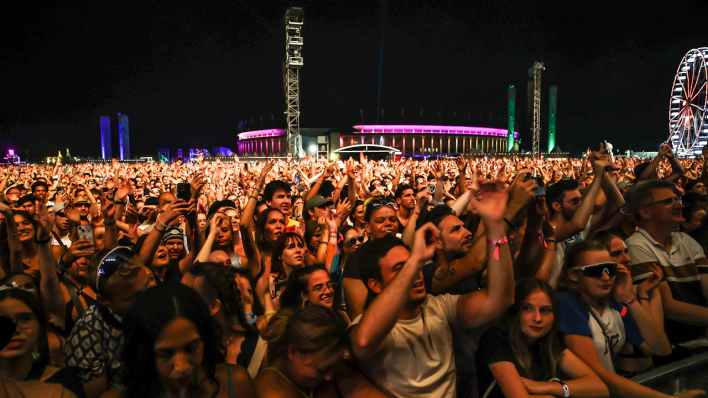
point(352, 241)
point(597, 270)
point(111, 261)
point(379, 203)
point(61, 214)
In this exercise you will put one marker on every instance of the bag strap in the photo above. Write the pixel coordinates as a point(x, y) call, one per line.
point(604, 333)
point(257, 358)
point(74, 297)
point(56, 237)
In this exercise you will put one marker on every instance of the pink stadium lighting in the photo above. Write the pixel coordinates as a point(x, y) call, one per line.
point(424, 129)
point(261, 133)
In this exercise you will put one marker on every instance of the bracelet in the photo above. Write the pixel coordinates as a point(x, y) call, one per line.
point(298, 216)
point(254, 197)
point(417, 213)
point(253, 317)
point(257, 189)
point(108, 224)
point(41, 242)
point(566, 391)
point(122, 202)
point(624, 310)
point(497, 243)
point(61, 267)
point(324, 243)
point(510, 224)
point(333, 234)
point(161, 223)
point(269, 313)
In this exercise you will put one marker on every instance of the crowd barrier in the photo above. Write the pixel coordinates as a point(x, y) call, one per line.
point(686, 374)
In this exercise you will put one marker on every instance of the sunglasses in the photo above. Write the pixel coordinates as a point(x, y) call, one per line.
point(598, 270)
point(353, 241)
point(111, 261)
point(379, 203)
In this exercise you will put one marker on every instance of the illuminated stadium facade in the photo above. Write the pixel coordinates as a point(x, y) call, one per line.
point(409, 140)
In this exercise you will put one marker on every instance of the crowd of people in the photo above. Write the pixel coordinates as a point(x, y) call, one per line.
point(480, 277)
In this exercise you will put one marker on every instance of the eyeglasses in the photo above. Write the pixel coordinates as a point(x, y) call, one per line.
point(598, 270)
point(111, 261)
point(24, 320)
point(352, 241)
point(60, 214)
point(575, 201)
point(667, 202)
point(321, 288)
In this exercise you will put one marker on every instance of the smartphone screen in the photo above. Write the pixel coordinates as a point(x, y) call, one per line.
point(184, 191)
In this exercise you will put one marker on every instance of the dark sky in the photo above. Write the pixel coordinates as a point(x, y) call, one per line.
point(186, 72)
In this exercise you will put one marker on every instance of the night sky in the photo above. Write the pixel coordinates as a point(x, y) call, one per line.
point(187, 73)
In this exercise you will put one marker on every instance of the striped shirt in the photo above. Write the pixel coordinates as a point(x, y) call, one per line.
point(682, 269)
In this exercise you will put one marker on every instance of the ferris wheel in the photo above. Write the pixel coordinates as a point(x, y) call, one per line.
point(688, 112)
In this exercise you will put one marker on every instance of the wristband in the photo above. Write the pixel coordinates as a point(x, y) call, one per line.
point(269, 313)
point(253, 317)
point(624, 310)
point(108, 224)
point(161, 223)
point(497, 243)
point(41, 242)
point(122, 202)
point(566, 391)
point(417, 213)
point(333, 234)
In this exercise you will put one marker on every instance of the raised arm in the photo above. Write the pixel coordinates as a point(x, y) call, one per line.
point(477, 308)
point(381, 316)
point(247, 216)
point(584, 211)
point(152, 242)
point(52, 295)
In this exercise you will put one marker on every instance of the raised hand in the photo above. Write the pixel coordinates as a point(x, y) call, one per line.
point(649, 284)
point(490, 199)
point(424, 242)
point(78, 249)
point(623, 290)
point(124, 190)
point(45, 221)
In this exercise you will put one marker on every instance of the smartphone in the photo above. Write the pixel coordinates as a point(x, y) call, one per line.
point(184, 191)
point(85, 232)
point(540, 190)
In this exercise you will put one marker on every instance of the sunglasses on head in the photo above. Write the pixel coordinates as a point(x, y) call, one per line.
point(352, 241)
point(597, 270)
point(379, 203)
point(111, 261)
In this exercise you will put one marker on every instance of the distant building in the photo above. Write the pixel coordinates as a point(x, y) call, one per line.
point(123, 137)
point(106, 149)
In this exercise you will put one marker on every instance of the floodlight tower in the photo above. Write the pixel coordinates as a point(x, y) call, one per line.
point(535, 74)
point(293, 62)
point(553, 94)
point(511, 117)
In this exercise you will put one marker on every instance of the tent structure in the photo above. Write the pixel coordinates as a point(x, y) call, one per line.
point(374, 152)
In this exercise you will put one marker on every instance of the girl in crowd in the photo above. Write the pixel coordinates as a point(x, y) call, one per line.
point(601, 315)
point(312, 285)
point(288, 255)
point(16, 362)
point(356, 219)
point(235, 218)
point(315, 231)
point(305, 348)
point(219, 237)
point(523, 355)
point(633, 360)
point(172, 349)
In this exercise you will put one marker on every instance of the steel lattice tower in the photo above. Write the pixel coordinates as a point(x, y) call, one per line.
point(511, 117)
point(535, 74)
point(293, 62)
point(553, 93)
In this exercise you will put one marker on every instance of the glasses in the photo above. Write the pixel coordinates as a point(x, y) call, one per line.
point(321, 288)
point(111, 261)
point(576, 201)
point(24, 320)
point(379, 203)
point(61, 214)
point(353, 241)
point(667, 202)
point(83, 205)
point(598, 270)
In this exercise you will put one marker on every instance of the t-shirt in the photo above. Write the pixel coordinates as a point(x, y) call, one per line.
point(494, 347)
point(561, 247)
point(575, 318)
point(682, 268)
point(416, 358)
point(65, 240)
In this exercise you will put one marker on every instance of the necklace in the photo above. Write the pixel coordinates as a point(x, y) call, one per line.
point(229, 340)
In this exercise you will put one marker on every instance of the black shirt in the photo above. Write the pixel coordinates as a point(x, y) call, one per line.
point(494, 347)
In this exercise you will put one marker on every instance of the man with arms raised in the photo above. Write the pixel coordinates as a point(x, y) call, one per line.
point(403, 340)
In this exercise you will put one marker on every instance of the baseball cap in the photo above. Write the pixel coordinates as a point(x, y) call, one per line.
point(59, 206)
point(317, 201)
